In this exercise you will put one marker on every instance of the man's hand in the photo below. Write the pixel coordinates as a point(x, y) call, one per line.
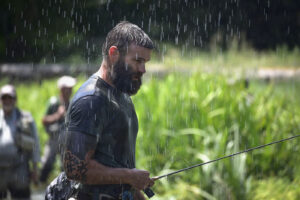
point(53, 118)
point(139, 179)
point(61, 111)
point(138, 195)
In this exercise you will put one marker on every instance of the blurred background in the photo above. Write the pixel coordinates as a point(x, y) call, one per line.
point(224, 77)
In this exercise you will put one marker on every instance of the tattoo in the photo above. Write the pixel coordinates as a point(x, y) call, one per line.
point(75, 168)
point(79, 150)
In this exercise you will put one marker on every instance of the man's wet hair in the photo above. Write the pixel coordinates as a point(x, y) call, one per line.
point(123, 35)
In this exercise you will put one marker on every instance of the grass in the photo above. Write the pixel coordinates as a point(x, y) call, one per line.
point(273, 188)
point(194, 119)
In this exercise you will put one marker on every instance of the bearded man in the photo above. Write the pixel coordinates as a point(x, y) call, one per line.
point(102, 125)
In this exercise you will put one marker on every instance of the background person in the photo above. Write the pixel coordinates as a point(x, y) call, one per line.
point(53, 122)
point(19, 145)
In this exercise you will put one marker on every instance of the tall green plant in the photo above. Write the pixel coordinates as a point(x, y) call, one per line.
point(190, 119)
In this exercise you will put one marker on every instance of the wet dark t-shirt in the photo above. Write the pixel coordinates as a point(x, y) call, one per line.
point(102, 111)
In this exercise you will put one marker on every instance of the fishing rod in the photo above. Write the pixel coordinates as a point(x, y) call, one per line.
point(228, 156)
point(215, 160)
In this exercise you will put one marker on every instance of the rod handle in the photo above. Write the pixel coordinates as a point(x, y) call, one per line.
point(149, 192)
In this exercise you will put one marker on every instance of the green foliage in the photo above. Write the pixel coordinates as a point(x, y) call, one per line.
point(275, 188)
point(185, 120)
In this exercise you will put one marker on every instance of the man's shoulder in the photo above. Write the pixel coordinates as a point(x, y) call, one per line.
point(53, 101)
point(88, 88)
point(52, 105)
point(91, 90)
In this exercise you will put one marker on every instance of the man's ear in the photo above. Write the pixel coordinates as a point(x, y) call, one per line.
point(113, 54)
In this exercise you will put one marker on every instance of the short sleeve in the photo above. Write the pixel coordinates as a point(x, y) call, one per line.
point(87, 115)
point(53, 105)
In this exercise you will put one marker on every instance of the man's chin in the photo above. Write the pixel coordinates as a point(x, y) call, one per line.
point(133, 91)
point(130, 87)
point(7, 109)
point(136, 86)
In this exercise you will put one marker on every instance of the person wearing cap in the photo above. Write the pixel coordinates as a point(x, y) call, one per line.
point(19, 145)
point(53, 122)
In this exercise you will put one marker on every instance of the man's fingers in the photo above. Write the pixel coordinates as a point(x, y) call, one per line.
point(141, 179)
point(151, 182)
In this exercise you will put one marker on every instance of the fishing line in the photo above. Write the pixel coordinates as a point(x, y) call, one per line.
point(228, 156)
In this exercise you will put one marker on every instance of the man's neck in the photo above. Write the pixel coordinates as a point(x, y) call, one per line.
point(104, 73)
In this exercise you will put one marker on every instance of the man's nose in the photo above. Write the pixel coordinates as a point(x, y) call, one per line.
point(142, 68)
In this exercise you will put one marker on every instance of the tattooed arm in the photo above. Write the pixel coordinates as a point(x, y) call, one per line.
point(79, 165)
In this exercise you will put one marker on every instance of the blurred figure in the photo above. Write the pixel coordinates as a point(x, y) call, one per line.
point(19, 144)
point(53, 122)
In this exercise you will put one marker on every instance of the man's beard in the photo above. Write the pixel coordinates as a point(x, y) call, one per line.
point(124, 79)
point(8, 108)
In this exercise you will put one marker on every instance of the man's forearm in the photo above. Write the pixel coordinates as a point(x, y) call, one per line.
point(138, 195)
point(91, 172)
point(79, 165)
point(54, 117)
point(50, 119)
point(100, 174)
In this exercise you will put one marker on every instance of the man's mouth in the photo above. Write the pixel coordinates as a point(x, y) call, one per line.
point(136, 78)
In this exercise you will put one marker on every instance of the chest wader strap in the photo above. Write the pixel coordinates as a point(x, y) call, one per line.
point(24, 137)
